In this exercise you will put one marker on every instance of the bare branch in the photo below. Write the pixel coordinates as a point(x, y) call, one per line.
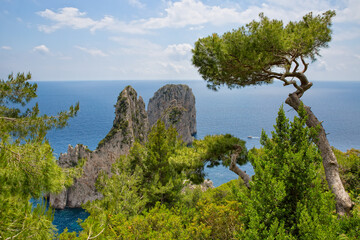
point(8, 119)
point(304, 63)
point(97, 234)
point(296, 66)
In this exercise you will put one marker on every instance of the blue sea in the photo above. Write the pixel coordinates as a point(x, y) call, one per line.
point(242, 112)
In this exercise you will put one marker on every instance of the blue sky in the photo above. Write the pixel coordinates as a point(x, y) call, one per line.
point(138, 39)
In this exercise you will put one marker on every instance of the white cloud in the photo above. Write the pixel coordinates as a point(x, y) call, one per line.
point(6, 48)
point(179, 49)
point(70, 17)
point(154, 59)
point(66, 17)
point(178, 68)
point(191, 12)
point(93, 52)
point(136, 3)
point(177, 15)
point(185, 13)
point(196, 28)
point(41, 49)
point(350, 13)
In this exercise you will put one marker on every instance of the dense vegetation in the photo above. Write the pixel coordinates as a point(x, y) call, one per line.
point(287, 199)
point(267, 50)
point(28, 168)
point(148, 196)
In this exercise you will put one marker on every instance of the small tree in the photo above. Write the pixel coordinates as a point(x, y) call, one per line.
point(287, 199)
point(226, 150)
point(266, 50)
point(28, 168)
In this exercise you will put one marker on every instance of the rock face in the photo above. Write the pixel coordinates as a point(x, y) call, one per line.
point(175, 105)
point(130, 123)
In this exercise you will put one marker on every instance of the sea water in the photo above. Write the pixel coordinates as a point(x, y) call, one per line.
point(241, 112)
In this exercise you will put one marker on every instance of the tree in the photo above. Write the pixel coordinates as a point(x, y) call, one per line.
point(226, 150)
point(28, 168)
point(287, 198)
point(265, 50)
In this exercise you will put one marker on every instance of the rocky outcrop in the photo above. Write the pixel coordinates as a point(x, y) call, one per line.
point(207, 184)
point(175, 105)
point(130, 123)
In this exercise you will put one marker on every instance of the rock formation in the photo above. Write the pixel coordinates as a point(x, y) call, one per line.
point(207, 184)
point(174, 104)
point(130, 123)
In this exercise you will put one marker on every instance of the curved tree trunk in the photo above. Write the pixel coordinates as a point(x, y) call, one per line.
point(331, 167)
point(233, 167)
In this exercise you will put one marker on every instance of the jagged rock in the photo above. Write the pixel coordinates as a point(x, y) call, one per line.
point(130, 123)
point(175, 105)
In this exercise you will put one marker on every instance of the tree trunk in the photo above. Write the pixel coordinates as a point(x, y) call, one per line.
point(331, 167)
point(233, 167)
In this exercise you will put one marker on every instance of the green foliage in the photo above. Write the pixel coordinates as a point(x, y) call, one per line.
point(175, 114)
point(248, 55)
point(287, 199)
point(28, 168)
point(199, 215)
point(349, 168)
point(350, 171)
point(147, 175)
point(217, 149)
point(143, 198)
point(19, 220)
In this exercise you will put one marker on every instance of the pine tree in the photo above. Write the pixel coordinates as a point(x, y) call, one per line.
point(287, 198)
point(28, 168)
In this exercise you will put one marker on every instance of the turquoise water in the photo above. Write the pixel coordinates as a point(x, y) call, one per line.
point(241, 112)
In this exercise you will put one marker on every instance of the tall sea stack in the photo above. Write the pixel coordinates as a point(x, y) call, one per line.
point(174, 104)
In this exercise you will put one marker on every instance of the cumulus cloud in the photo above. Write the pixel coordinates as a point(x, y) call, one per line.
point(73, 18)
point(6, 48)
point(92, 52)
point(177, 15)
point(189, 13)
point(66, 17)
point(178, 49)
point(41, 49)
point(136, 3)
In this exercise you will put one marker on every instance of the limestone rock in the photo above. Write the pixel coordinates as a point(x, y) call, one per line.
point(130, 123)
point(175, 105)
point(204, 186)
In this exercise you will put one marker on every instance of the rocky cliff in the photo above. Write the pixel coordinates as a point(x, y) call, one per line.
point(130, 123)
point(174, 104)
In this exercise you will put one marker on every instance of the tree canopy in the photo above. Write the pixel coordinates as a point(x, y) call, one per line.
point(28, 168)
point(262, 51)
point(265, 50)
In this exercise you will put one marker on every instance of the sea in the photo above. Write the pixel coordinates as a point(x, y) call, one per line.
point(242, 112)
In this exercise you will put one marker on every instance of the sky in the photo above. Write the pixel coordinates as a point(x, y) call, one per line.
point(152, 40)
